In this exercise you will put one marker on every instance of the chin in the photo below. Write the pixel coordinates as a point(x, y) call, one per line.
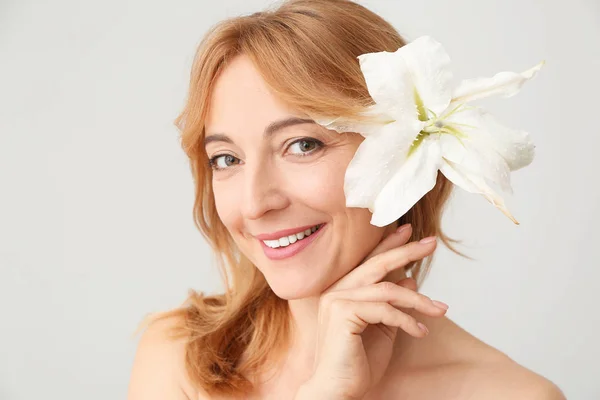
point(293, 288)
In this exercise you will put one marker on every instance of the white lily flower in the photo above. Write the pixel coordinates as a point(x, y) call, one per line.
point(424, 125)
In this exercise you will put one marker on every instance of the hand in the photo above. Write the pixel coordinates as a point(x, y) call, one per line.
point(359, 317)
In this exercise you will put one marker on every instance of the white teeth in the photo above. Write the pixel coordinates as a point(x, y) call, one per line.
point(272, 243)
point(284, 241)
point(287, 240)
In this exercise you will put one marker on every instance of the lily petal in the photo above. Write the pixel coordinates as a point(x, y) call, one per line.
point(419, 67)
point(503, 83)
point(389, 83)
point(485, 133)
point(409, 184)
point(474, 184)
point(369, 123)
point(476, 154)
point(376, 160)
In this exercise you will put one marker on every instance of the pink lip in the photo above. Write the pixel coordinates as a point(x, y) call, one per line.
point(285, 232)
point(291, 250)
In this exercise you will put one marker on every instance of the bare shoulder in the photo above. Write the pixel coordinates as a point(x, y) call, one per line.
point(452, 364)
point(509, 380)
point(484, 372)
point(473, 381)
point(497, 379)
point(491, 374)
point(158, 370)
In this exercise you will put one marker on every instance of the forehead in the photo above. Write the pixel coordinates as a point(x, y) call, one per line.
point(242, 101)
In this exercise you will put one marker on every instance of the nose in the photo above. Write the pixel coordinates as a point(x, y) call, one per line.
point(262, 191)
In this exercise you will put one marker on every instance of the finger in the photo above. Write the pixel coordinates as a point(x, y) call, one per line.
point(396, 239)
point(395, 295)
point(355, 316)
point(408, 283)
point(376, 268)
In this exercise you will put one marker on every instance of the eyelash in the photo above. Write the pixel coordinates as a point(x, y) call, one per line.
point(212, 162)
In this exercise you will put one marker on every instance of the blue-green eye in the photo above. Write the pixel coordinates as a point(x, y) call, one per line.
point(303, 147)
point(222, 161)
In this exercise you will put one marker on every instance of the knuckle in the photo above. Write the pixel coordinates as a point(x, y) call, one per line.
point(424, 300)
point(403, 257)
point(417, 299)
point(387, 265)
point(386, 288)
point(412, 253)
point(407, 321)
point(388, 310)
point(377, 263)
point(375, 259)
point(400, 319)
point(413, 299)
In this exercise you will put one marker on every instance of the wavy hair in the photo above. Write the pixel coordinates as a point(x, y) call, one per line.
point(306, 51)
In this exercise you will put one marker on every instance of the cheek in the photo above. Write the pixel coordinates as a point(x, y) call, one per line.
point(225, 203)
point(226, 196)
point(321, 186)
point(361, 236)
point(353, 235)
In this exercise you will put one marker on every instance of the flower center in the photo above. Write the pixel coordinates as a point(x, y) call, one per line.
point(434, 124)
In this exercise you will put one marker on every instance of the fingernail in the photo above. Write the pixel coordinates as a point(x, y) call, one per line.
point(423, 327)
point(402, 228)
point(427, 239)
point(439, 304)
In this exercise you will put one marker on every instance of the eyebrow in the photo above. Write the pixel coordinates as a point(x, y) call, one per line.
point(269, 130)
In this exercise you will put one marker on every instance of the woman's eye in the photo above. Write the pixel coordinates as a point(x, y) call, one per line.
point(301, 147)
point(304, 147)
point(223, 161)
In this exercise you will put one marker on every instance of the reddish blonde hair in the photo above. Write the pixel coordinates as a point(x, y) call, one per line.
point(306, 50)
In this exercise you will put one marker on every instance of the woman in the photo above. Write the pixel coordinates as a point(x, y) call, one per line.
point(321, 304)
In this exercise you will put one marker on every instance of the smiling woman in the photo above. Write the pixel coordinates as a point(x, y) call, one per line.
point(320, 303)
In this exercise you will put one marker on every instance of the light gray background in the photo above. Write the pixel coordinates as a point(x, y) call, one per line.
point(95, 194)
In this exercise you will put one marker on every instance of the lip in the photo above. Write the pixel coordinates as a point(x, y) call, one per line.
point(285, 252)
point(285, 232)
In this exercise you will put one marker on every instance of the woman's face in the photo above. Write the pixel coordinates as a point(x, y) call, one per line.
point(276, 177)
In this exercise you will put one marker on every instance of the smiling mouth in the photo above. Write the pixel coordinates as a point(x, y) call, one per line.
point(286, 247)
point(291, 239)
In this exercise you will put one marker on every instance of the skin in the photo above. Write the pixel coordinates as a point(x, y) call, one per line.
point(266, 184)
point(275, 184)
